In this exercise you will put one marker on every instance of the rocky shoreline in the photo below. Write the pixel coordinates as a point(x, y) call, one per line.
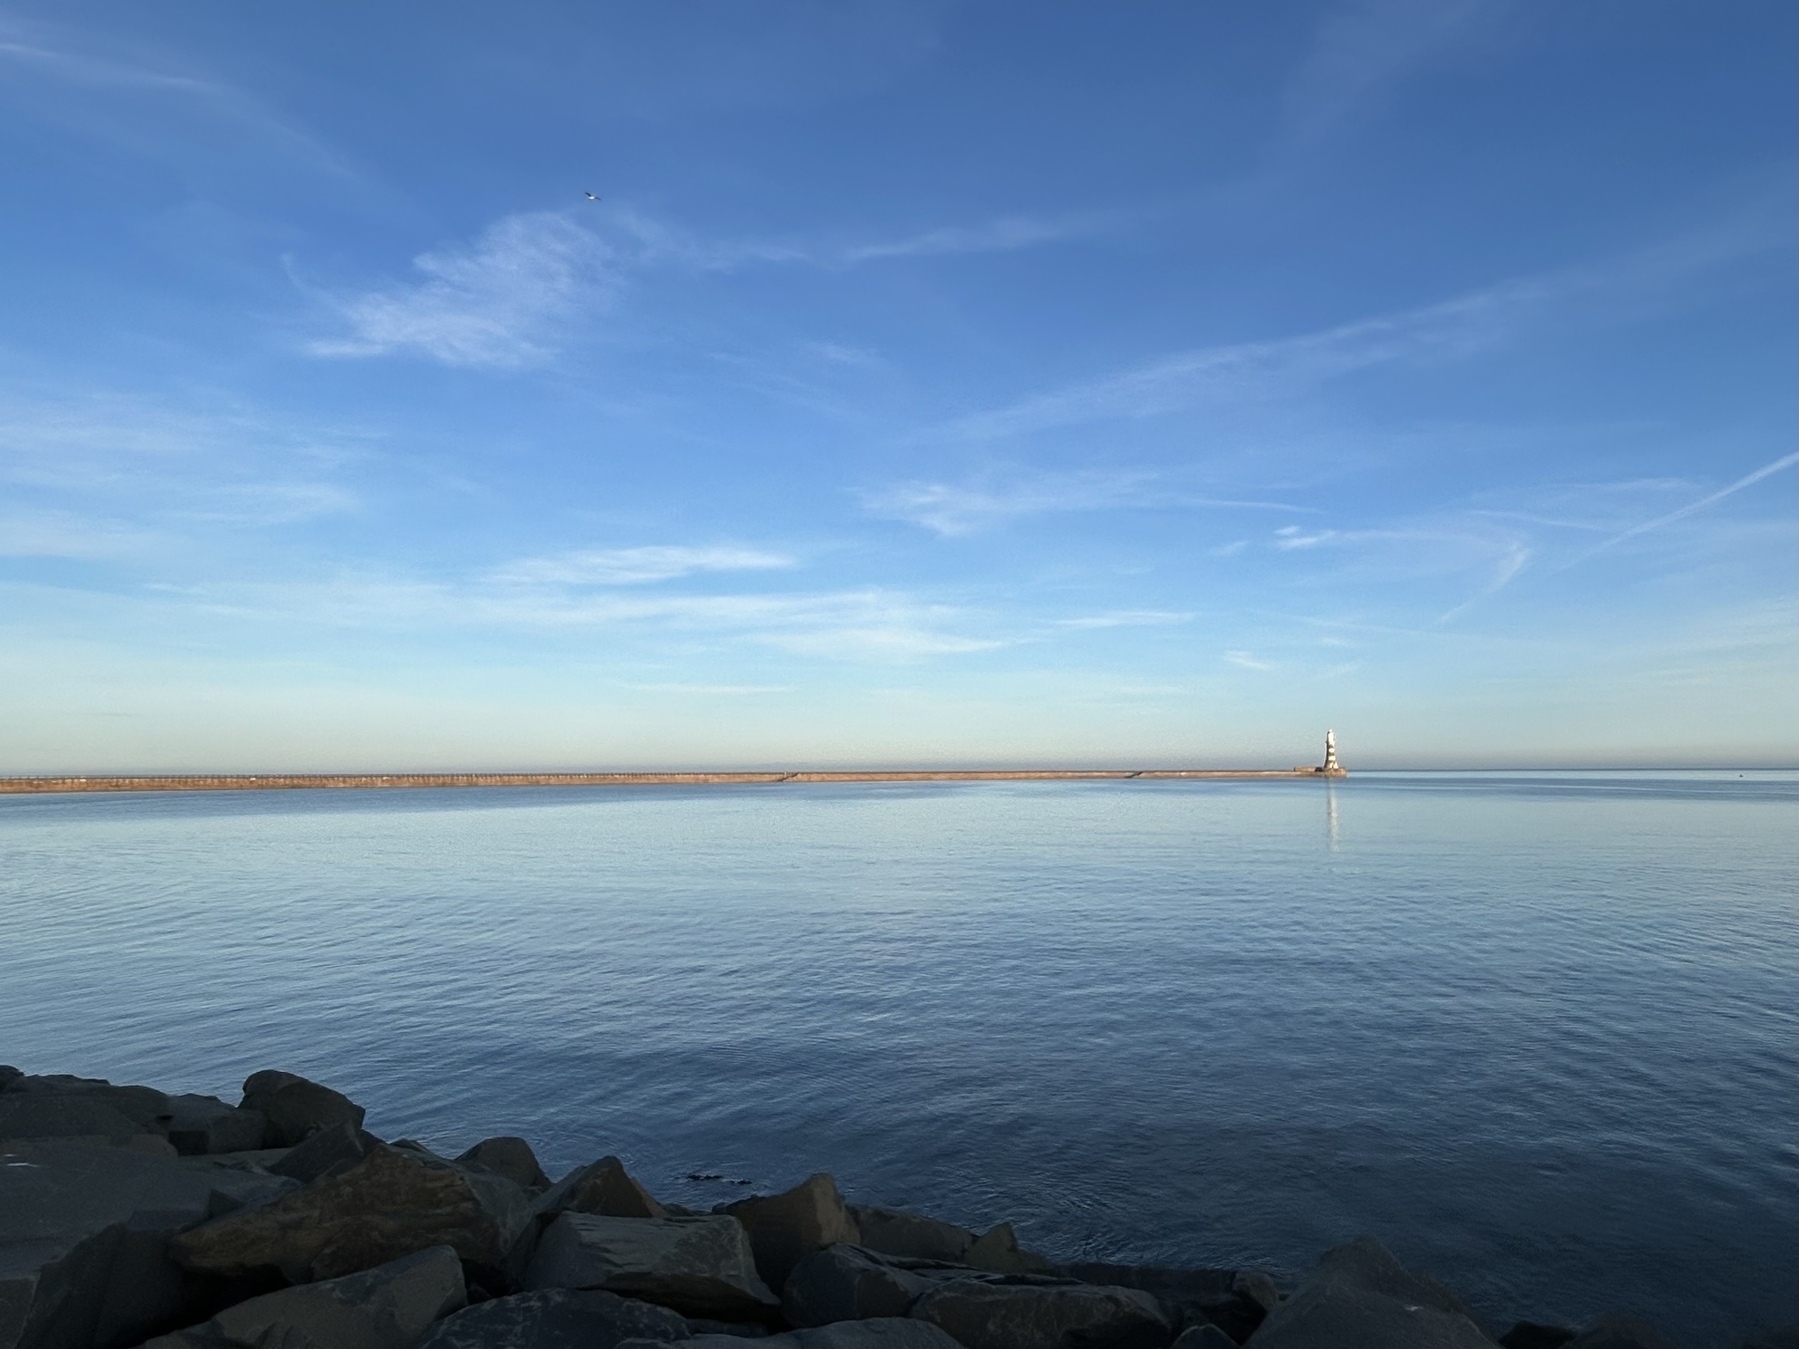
point(130, 1217)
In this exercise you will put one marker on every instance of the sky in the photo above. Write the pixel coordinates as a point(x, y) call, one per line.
point(1008, 382)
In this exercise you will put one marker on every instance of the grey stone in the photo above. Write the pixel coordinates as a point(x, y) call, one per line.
point(296, 1108)
point(9, 1075)
point(328, 1152)
point(1236, 1301)
point(80, 1107)
point(997, 1249)
point(604, 1188)
point(846, 1283)
point(1533, 1335)
point(785, 1228)
point(878, 1333)
point(388, 1307)
point(203, 1125)
point(891, 1231)
point(557, 1318)
point(1360, 1297)
point(509, 1157)
point(697, 1266)
point(1203, 1337)
point(383, 1207)
point(1041, 1315)
point(1615, 1330)
point(705, 1325)
point(85, 1233)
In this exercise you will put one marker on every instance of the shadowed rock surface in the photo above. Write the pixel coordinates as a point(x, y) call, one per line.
point(1616, 1330)
point(389, 1307)
point(983, 1315)
point(847, 1283)
point(557, 1318)
point(296, 1108)
point(510, 1157)
point(889, 1231)
point(998, 1250)
point(201, 1125)
point(1532, 1335)
point(84, 1240)
point(887, 1333)
point(1234, 1300)
point(785, 1228)
point(383, 1207)
point(700, 1266)
point(1360, 1297)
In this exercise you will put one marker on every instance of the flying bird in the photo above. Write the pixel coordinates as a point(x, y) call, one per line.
point(591, 197)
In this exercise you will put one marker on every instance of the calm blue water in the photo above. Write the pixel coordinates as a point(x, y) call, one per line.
point(1537, 1032)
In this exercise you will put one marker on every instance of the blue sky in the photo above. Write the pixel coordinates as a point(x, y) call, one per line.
point(1148, 383)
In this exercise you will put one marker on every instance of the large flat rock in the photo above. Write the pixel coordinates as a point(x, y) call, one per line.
point(389, 1204)
point(1045, 1315)
point(1360, 1297)
point(890, 1231)
point(849, 1283)
point(389, 1307)
point(699, 1266)
point(85, 1233)
point(785, 1228)
point(558, 1318)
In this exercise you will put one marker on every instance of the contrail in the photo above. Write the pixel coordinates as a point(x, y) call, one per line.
point(1766, 470)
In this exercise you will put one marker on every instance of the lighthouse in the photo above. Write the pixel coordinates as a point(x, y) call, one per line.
point(1331, 765)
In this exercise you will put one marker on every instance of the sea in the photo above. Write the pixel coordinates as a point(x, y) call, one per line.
point(1537, 1032)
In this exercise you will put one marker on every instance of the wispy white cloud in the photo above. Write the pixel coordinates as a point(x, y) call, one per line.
point(959, 508)
point(1747, 480)
point(1246, 660)
point(523, 289)
point(506, 301)
point(1452, 329)
point(102, 475)
point(1127, 618)
point(1364, 46)
point(67, 534)
point(635, 566)
point(139, 102)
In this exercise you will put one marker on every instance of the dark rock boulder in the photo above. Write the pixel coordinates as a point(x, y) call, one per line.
point(85, 1234)
point(326, 1153)
point(556, 1318)
point(296, 1108)
point(880, 1333)
point(1531, 1335)
point(1045, 1315)
point(847, 1283)
point(1615, 1330)
point(1236, 1301)
point(696, 1266)
point(512, 1158)
point(203, 1125)
point(997, 1250)
point(388, 1307)
point(604, 1188)
point(889, 1231)
point(1203, 1337)
point(80, 1107)
point(9, 1075)
point(1360, 1297)
point(383, 1207)
point(785, 1228)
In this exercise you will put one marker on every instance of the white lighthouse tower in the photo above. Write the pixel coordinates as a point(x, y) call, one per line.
point(1331, 766)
